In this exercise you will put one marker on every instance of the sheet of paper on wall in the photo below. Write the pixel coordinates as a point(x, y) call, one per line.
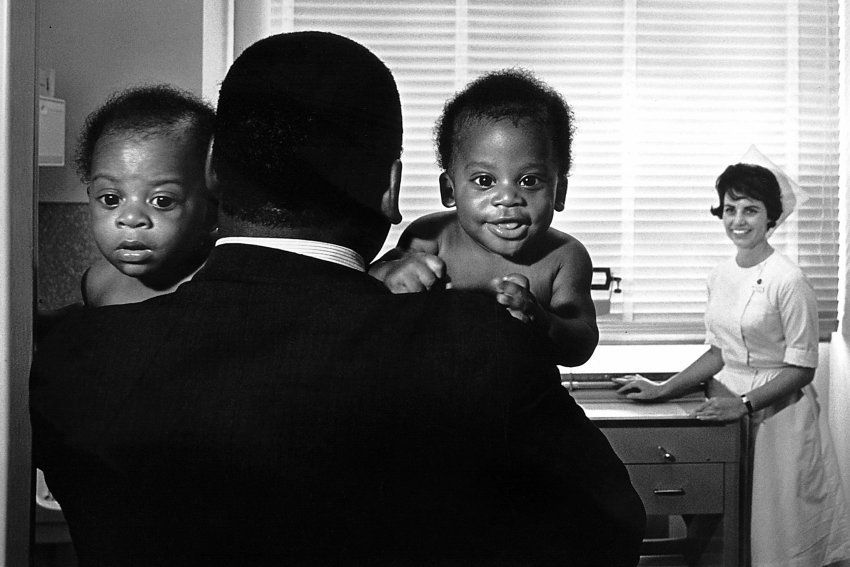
point(51, 131)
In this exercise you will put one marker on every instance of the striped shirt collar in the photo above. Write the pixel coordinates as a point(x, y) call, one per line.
point(313, 248)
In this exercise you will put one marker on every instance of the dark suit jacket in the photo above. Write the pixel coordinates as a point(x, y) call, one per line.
point(283, 410)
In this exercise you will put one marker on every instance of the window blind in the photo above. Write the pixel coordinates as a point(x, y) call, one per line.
point(666, 94)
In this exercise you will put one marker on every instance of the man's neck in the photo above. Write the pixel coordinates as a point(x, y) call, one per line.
point(229, 226)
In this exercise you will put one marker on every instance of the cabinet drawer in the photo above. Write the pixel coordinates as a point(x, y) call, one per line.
point(695, 444)
point(679, 489)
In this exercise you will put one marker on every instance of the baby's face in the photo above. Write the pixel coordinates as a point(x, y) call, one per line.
point(149, 209)
point(503, 179)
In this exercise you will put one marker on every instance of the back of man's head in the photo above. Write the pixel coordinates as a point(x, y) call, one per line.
point(308, 126)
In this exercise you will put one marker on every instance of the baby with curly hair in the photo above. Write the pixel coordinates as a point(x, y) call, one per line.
point(504, 144)
point(142, 158)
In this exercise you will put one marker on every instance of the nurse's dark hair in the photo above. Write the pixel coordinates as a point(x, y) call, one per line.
point(512, 94)
point(751, 181)
point(147, 110)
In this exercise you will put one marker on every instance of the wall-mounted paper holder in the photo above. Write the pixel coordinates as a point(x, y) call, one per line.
point(51, 131)
point(602, 286)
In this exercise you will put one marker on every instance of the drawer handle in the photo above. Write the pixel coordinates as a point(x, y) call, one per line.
point(669, 491)
point(666, 455)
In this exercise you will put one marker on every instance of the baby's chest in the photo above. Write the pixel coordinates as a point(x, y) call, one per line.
point(476, 273)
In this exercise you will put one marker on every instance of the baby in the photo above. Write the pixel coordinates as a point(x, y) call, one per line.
point(142, 157)
point(504, 145)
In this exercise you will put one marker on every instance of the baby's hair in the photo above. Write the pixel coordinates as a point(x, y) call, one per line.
point(144, 111)
point(513, 94)
point(751, 181)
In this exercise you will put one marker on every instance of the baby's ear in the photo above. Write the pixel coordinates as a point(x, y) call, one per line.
point(447, 190)
point(209, 174)
point(561, 193)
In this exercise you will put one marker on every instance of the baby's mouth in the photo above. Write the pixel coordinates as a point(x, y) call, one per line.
point(509, 229)
point(133, 252)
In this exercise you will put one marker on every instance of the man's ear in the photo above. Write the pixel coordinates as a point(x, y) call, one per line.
point(389, 200)
point(447, 190)
point(209, 174)
point(561, 193)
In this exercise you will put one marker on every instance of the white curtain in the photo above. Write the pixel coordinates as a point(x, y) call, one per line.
point(666, 94)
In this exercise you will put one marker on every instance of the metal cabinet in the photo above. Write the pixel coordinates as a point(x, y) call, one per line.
point(681, 467)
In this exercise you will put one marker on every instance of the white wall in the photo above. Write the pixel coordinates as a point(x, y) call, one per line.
point(839, 372)
point(98, 47)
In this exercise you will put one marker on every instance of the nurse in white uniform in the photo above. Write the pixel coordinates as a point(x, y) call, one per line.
point(762, 332)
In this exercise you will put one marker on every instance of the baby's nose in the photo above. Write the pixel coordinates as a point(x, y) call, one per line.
point(507, 196)
point(133, 216)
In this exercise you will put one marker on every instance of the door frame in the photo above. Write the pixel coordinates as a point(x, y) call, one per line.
point(17, 259)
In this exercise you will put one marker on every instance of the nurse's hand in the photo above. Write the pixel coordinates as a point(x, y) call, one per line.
point(636, 387)
point(721, 409)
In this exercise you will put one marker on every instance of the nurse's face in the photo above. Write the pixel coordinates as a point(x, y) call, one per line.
point(745, 220)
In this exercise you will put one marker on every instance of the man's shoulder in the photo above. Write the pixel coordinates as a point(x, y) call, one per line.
point(456, 316)
point(468, 332)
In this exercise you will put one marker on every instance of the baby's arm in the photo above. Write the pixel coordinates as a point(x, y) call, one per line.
point(99, 280)
point(570, 319)
point(413, 265)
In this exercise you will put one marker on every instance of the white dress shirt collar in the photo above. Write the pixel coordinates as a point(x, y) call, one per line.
point(313, 248)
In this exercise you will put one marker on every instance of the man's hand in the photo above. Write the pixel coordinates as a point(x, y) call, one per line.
point(513, 292)
point(416, 271)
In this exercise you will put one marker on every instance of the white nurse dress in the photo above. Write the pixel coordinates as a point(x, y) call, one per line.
point(762, 318)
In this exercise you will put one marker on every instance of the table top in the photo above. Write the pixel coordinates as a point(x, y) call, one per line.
point(630, 410)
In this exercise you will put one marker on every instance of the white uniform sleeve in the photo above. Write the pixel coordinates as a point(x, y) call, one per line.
point(710, 337)
point(798, 308)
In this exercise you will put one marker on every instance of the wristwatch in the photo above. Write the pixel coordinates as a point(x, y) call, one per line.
point(747, 403)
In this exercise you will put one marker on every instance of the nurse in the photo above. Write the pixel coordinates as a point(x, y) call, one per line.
point(762, 331)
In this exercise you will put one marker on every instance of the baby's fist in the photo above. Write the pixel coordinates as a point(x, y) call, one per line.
point(416, 271)
point(513, 292)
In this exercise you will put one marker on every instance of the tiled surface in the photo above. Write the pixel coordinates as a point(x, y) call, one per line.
point(65, 250)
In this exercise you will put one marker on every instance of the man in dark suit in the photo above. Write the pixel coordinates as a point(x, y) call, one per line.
point(283, 407)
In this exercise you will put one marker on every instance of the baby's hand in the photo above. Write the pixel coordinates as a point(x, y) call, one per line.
point(416, 271)
point(512, 292)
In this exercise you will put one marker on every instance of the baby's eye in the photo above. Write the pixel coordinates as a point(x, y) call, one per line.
point(164, 202)
point(109, 200)
point(529, 181)
point(484, 180)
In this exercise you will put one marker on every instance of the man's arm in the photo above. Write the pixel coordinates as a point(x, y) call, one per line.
point(568, 473)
